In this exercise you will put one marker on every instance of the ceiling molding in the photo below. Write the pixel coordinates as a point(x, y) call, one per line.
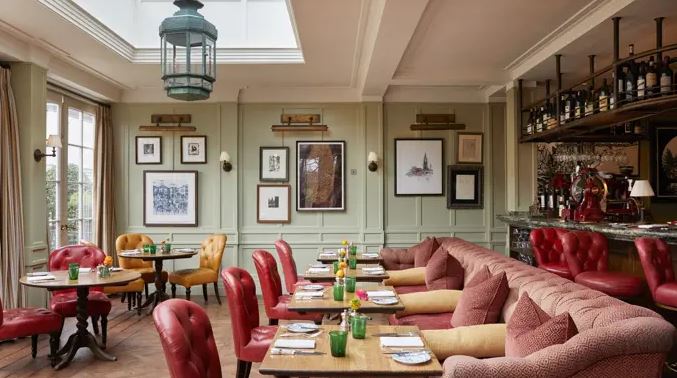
point(437, 94)
point(232, 56)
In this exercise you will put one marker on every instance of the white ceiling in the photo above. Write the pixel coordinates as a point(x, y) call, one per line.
point(350, 50)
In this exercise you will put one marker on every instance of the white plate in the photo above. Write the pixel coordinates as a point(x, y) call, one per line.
point(302, 327)
point(385, 301)
point(312, 287)
point(412, 358)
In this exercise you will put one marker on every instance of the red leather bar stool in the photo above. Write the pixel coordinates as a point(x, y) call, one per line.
point(291, 277)
point(187, 339)
point(250, 340)
point(547, 246)
point(587, 254)
point(271, 287)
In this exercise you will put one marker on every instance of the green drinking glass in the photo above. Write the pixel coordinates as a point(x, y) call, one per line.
point(73, 271)
point(338, 292)
point(337, 342)
point(168, 247)
point(146, 248)
point(353, 250)
point(358, 324)
point(336, 266)
point(152, 249)
point(352, 263)
point(350, 284)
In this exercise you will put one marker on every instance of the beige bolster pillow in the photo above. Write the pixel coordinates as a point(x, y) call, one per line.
point(429, 302)
point(479, 341)
point(406, 277)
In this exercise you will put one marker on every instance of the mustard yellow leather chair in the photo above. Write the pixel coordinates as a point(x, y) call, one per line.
point(211, 252)
point(136, 241)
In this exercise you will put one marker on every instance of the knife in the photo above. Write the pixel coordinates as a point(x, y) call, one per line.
point(394, 334)
point(291, 352)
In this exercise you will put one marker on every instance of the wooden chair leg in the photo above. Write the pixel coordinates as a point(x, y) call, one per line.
point(243, 369)
point(129, 303)
point(273, 321)
point(249, 369)
point(54, 340)
point(146, 286)
point(95, 324)
point(204, 292)
point(122, 297)
point(187, 293)
point(216, 291)
point(173, 290)
point(104, 330)
point(34, 345)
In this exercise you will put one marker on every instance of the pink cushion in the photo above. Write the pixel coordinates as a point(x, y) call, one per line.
point(482, 299)
point(443, 271)
point(530, 329)
point(616, 284)
point(423, 251)
point(423, 321)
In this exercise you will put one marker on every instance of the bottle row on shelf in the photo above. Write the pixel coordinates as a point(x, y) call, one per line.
point(636, 81)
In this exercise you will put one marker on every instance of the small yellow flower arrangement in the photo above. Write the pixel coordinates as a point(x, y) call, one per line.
point(355, 304)
point(108, 261)
point(344, 242)
point(340, 273)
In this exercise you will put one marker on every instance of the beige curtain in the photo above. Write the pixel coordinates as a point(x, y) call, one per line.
point(11, 203)
point(104, 205)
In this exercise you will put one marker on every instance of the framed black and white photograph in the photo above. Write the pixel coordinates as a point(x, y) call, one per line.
point(170, 198)
point(273, 203)
point(194, 149)
point(664, 162)
point(148, 150)
point(274, 164)
point(320, 176)
point(465, 183)
point(469, 147)
point(419, 167)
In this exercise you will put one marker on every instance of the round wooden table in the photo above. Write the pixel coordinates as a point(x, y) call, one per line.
point(160, 293)
point(82, 338)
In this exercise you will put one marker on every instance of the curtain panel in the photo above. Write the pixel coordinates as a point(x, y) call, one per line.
point(11, 201)
point(104, 208)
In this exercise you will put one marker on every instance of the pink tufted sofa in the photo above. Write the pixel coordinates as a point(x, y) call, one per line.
point(615, 338)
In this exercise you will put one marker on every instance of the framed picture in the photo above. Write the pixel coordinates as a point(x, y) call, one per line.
point(320, 176)
point(618, 159)
point(148, 150)
point(273, 203)
point(469, 148)
point(419, 167)
point(194, 149)
point(465, 187)
point(170, 198)
point(274, 164)
point(664, 163)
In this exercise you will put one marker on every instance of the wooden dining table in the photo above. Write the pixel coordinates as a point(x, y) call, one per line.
point(82, 338)
point(358, 273)
point(361, 259)
point(327, 304)
point(364, 358)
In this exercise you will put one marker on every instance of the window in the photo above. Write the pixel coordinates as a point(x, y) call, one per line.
point(70, 174)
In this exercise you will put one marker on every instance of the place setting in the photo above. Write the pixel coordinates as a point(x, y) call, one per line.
point(406, 348)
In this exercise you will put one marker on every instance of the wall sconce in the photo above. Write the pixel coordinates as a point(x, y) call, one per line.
point(52, 141)
point(372, 159)
point(225, 158)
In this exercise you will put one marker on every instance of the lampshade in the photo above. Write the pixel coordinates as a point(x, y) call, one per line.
point(224, 156)
point(642, 188)
point(54, 141)
point(372, 157)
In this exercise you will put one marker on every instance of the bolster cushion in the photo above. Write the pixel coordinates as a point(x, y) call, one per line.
point(405, 277)
point(429, 302)
point(479, 341)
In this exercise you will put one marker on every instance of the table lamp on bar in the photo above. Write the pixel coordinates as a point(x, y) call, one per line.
point(641, 189)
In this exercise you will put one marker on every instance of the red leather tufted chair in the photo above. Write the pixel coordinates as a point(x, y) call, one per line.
point(271, 288)
point(250, 340)
point(64, 302)
point(547, 246)
point(587, 254)
point(291, 277)
point(24, 322)
point(656, 259)
point(187, 339)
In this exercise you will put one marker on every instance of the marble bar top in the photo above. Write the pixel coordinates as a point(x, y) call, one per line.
point(628, 233)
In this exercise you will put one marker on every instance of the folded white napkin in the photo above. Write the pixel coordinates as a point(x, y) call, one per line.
point(372, 268)
point(649, 226)
point(85, 270)
point(309, 294)
point(414, 341)
point(36, 274)
point(295, 343)
point(319, 265)
point(47, 277)
point(318, 270)
point(130, 252)
point(370, 255)
point(116, 269)
point(184, 250)
point(381, 294)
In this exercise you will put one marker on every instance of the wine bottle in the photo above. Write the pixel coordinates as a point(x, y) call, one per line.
point(589, 102)
point(631, 76)
point(666, 76)
point(539, 120)
point(603, 100)
point(651, 79)
point(562, 108)
point(641, 81)
point(530, 122)
point(580, 105)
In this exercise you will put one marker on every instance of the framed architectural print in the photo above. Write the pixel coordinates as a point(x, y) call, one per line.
point(664, 163)
point(273, 203)
point(465, 187)
point(469, 148)
point(274, 164)
point(320, 176)
point(419, 167)
point(194, 149)
point(170, 198)
point(148, 150)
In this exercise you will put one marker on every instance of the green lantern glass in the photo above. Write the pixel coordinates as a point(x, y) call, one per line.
point(336, 266)
point(146, 248)
point(152, 249)
point(339, 289)
point(73, 271)
point(358, 325)
point(338, 341)
point(352, 263)
point(352, 250)
point(350, 284)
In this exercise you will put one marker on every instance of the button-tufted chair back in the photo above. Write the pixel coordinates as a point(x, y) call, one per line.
point(187, 339)
point(242, 304)
point(547, 245)
point(284, 253)
point(132, 241)
point(211, 252)
point(654, 254)
point(85, 255)
point(269, 278)
point(585, 251)
point(1, 312)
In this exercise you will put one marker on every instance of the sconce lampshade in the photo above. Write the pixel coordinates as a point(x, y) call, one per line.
point(642, 188)
point(54, 141)
point(224, 156)
point(372, 157)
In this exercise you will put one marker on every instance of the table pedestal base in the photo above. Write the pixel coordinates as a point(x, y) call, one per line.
point(160, 293)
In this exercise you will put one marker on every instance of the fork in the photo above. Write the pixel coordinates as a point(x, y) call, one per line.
point(306, 335)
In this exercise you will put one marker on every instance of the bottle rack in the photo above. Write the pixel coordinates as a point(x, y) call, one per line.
point(598, 123)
